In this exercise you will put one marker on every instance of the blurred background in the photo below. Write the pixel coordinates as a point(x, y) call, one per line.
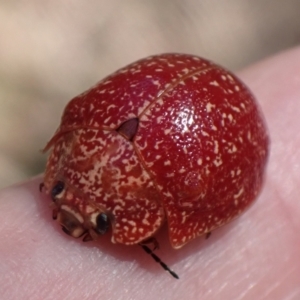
point(52, 50)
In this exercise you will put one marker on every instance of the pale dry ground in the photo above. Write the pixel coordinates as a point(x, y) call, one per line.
point(255, 257)
point(52, 50)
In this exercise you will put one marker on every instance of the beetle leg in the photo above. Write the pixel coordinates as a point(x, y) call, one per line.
point(153, 241)
point(87, 237)
point(41, 186)
point(54, 214)
point(208, 234)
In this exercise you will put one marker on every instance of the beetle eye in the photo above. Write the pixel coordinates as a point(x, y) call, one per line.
point(102, 223)
point(57, 189)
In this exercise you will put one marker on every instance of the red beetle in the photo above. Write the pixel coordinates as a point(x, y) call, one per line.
point(170, 138)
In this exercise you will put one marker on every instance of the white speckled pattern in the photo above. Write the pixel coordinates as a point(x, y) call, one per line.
point(197, 158)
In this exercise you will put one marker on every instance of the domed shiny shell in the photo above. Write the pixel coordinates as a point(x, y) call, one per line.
point(195, 159)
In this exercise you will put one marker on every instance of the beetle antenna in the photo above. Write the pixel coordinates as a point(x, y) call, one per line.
point(158, 260)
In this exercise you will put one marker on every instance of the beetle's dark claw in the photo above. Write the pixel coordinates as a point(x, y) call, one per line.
point(87, 237)
point(208, 234)
point(41, 186)
point(54, 214)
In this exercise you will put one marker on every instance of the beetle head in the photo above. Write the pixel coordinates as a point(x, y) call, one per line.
point(75, 216)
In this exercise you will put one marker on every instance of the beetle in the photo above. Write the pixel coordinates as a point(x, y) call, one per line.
point(172, 138)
